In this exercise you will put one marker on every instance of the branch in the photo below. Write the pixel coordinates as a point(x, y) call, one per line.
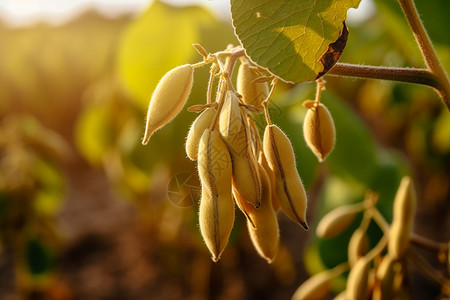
point(426, 48)
point(411, 75)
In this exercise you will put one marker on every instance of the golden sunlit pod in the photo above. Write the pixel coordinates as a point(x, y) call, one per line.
point(263, 162)
point(319, 131)
point(168, 99)
point(404, 208)
point(358, 280)
point(201, 123)
point(337, 220)
point(252, 93)
point(263, 226)
point(230, 119)
point(357, 246)
point(341, 296)
point(399, 239)
point(386, 274)
point(216, 212)
point(246, 177)
point(289, 188)
point(405, 202)
point(318, 286)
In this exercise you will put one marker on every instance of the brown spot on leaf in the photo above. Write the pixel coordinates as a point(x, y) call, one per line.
point(334, 52)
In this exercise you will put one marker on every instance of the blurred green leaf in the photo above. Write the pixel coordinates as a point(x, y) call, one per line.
point(95, 133)
point(354, 152)
point(159, 40)
point(39, 258)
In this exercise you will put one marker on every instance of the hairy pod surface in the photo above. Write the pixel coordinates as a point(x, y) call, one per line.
point(358, 280)
point(319, 131)
point(216, 211)
point(337, 220)
point(263, 223)
point(230, 119)
point(263, 162)
point(169, 97)
point(288, 186)
point(357, 246)
point(252, 93)
point(319, 285)
point(246, 177)
point(201, 123)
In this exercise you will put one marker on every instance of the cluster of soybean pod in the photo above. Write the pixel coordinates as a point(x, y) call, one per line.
point(235, 165)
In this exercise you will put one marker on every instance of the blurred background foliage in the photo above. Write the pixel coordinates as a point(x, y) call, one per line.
point(87, 212)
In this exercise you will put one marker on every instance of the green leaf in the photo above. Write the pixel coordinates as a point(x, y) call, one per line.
point(289, 38)
point(156, 42)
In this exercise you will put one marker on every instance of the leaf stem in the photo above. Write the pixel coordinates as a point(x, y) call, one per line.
point(426, 48)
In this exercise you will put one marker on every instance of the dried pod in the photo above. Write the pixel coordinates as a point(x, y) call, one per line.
point(318, 286)
point(337, 220)
point(386, 274)
point(201, 123)
point(230, 119)
point(252, 93)
point(404, 208)
point(357, 246)
point(168, 99)
point(262, 222)
point(319, 131)
point(358, 280)
point(216, 204)
point(246, 177)
point(288, 185)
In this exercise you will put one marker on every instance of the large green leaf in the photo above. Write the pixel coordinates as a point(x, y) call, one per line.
point(290, 37)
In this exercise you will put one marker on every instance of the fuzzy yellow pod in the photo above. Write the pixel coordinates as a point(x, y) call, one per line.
point(405, 202)
point(252, 93)
point(386, 273)
point(404, 208)
point(288, 186)
point(246, 177)
point(358, 280)
point(399, 240)
point(319, 131)
point(230, 119)
point(319, 285)
point(263, 223)
point(168, 99)
point(263, 162)
point(201, 123)
point(357, 246)
point(337, 220)
point(216, 211)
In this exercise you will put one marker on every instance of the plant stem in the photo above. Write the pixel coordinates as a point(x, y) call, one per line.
point(427, 243)
point(426, 48)
point(225, 82)
point(380, 220)
point(426, 268)
point(411, 75)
